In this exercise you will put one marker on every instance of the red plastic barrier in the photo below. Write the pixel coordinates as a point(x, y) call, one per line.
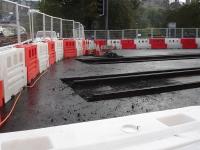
point(128, 44)
point(31, 61)
point(100, 42)
point(69, 48)
point(189, 43)
point(158, 43)
point(52, 52)
point(1, 94)
point(84, 44)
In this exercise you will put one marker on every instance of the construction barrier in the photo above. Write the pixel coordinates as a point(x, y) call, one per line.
point(98, 52)
point(43, 56)
point(173, 43)
point(69, 48)
point(158, 43)
point(100, 42)
point(59, 50)
point(52, 53)
point(1, 94)
point(79, 47)
point(142, 43)
point(91, 46)
point(85, 44)
point(115, 44)
point(128, 44)
point(31, 61)
point(198, 42)
point(14, 75)
point(189, 43)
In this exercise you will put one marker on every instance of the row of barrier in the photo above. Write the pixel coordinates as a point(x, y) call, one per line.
point(152, 43)
point(21, 64)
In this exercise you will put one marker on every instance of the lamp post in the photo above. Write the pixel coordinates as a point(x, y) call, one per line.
point(107, 15)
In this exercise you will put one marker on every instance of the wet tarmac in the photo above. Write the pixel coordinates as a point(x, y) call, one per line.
point(51, 102)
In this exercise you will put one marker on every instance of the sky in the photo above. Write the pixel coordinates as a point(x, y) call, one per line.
point(179, 0)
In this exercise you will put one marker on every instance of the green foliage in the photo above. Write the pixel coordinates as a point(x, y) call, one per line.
point(186, 16)
point(121, 12)
point(151, 17)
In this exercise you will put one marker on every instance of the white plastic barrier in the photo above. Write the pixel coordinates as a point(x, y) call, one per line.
point(13, 71)
point(176, 129)
point(173, 43)
point(198, 42)
point(91, 45)
point(79, 47)
point(142, 43)
point(59, 50)
point(43, 56)
point(116, 44)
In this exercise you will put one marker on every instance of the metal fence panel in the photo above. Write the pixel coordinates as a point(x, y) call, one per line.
point(8, 25)
point(57, 26)
point(37, 22)
point(101, 34)
point(18, 23)
point(159, 33)
point(130, 33)
point(67, 28)
point(25, 23)
point(144, 33)
point(115, 34)
point(190, 32)
point(89, 34)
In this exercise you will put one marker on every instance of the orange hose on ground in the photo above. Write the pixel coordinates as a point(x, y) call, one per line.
point(31, 86)
point(17, 99)
point(11, 111)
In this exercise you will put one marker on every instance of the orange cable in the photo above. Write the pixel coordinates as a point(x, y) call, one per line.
point(17, 99)
point(11, 111)
point(31, 86)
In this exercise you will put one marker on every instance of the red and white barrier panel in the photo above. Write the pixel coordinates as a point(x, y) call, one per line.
point(70, 50)
point(189, 43)
point(79, 47)
point(51, 51)
point(43, 56)
point(31, 61)
point(151, 43)
point(115, 44)
point(59, 50)
point(173, 43)
point(1, 93)
point(13, 73)
point(100, 43)
point(128, 44)
point(198, 42)
point(142, 44)
point(158, 43)
point(176, 129)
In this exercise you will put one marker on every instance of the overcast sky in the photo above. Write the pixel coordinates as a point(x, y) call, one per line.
point(179, 0)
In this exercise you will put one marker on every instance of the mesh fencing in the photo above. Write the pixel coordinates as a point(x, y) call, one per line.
point(8, 23)
point(37, 23)
point(57, 26)
point(115, 34)
point(89, 34)
point(101, 34)
point(19, 23)
point(130, 34)
point(143, 33)
point(68, 30)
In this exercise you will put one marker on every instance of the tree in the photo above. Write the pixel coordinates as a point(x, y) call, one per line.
point(187, 16)
point(121, 12)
